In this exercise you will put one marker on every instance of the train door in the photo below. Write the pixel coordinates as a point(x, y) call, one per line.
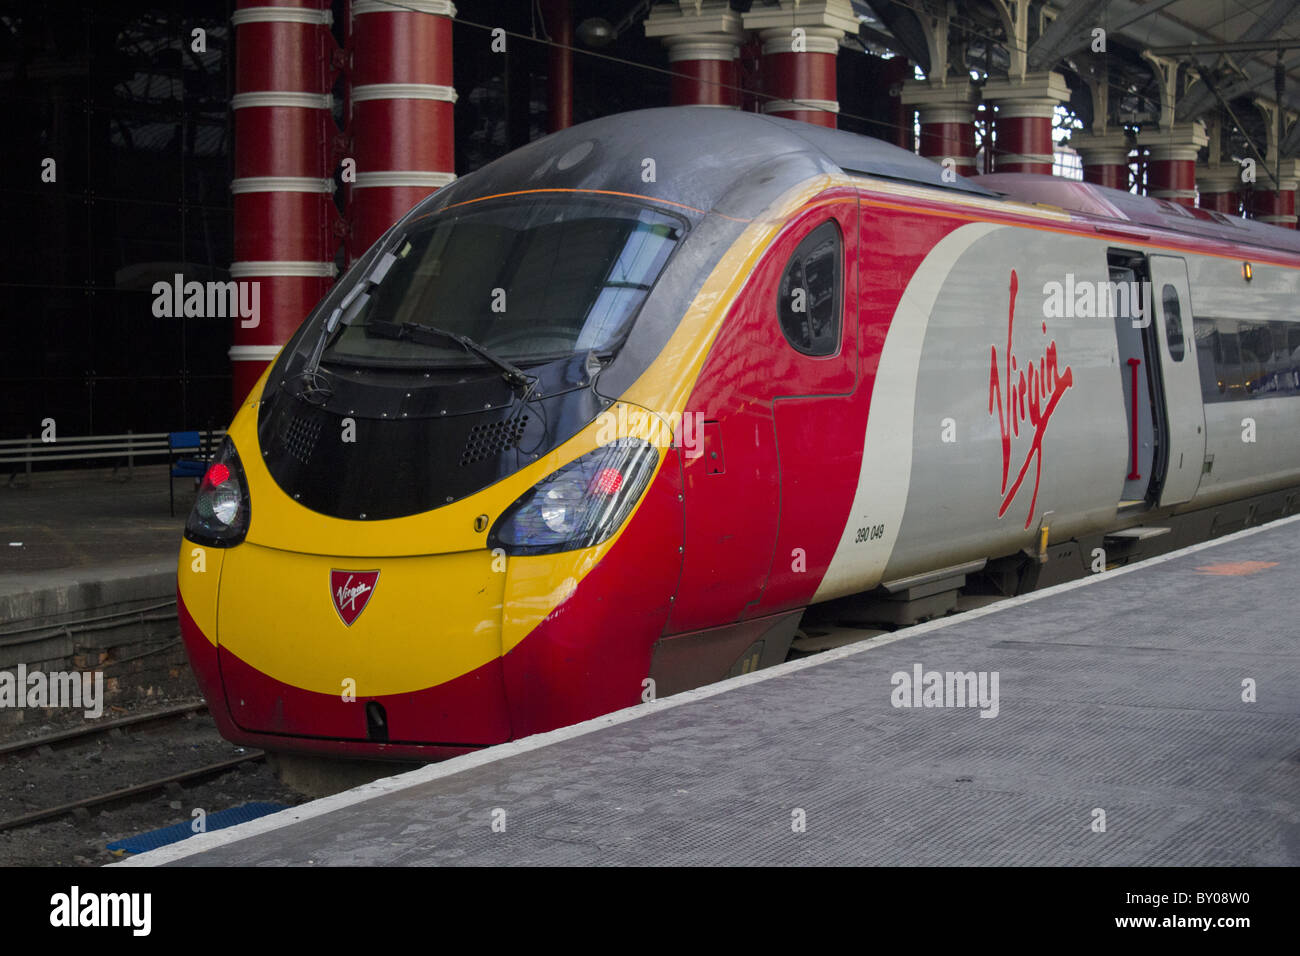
point(1137, 346)
point(818, 436)
point(1171, 309)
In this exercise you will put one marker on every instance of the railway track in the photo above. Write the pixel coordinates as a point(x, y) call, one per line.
point(46, 746)
point(106, 728)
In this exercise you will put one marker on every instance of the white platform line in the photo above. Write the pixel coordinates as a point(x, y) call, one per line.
point(415, 778)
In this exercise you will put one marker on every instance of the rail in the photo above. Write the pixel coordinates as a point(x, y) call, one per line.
point(125, 448)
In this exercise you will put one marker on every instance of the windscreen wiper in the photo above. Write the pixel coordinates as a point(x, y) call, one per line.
point(429, 335)
point(343, 314)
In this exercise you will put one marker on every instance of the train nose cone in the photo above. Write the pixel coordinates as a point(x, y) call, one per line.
point(400, 650)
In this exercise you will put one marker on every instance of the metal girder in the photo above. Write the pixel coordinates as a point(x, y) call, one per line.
point(1236, 46)
point(1069, 32)
point(1232, 91)
point(1198, 99)
point(1141, 14)
point(908, 31)
point(1227, 108)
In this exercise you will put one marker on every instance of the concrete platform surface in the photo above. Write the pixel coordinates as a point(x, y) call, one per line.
point(1150, 715)
point(90, 520)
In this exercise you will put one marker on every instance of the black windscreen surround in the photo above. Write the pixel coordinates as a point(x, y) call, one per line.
point(398, 418)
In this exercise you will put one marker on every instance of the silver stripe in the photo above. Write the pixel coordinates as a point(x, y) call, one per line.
point(322, 18)
point(785, 106)
point(1005, 158)
point(253, 353)
point(956, 160)
point(403, 91)
point(403, 177)
point(302, 270)
point(440, 8)
point(281, 184)
point(310, 101)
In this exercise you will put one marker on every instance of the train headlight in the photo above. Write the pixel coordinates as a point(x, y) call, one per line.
point(580, 505)
point(221, 510)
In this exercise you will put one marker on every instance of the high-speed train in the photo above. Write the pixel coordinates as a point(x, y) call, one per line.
point(613, 415)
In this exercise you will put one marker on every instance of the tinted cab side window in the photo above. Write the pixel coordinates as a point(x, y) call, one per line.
point(809, 297)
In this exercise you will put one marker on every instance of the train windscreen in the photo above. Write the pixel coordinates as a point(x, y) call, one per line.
point(528, 279)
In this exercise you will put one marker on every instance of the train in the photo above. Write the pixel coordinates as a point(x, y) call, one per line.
point(645, 403)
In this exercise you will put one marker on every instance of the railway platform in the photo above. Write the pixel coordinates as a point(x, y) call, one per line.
point(88, 582)
point(1147, 715)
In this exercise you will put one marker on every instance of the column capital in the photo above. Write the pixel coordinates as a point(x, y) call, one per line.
point(961, 94)
point(814, 40)
point(1219, 178)
point(1110, 148)
point(718, 46)
point(1290, 173)
point(1289, 179)
point(1036, 88)
point(686, 20)
point(836, 14)
point(1179, 142)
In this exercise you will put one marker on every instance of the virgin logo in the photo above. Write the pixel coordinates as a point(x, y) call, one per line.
point(1020, 394)
point(351, 592)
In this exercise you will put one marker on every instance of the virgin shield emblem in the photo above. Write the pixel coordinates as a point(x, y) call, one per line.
point(350, 591)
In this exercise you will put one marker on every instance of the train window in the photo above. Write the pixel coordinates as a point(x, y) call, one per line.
point(1255, 342)
point(1230, 363)
point(531, 280)
point(808, 300)
point(1173, 321)
point(1247, 360)
point(1207, 358)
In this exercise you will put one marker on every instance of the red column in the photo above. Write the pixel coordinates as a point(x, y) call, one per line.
point(1219, 187)
point(1276, 206)
point(401, 100)
point(283, 211)
point(1171, 163)
point(799, 74)
point(705, 71)
point(1113, 175)
point(1023, 133)
point(949, 134)
point(1172, 175)
point(703, 41)
point(559, 26)
point(1105, 157)
point(1022, 126)
point(897, 72)
point(947, 115)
